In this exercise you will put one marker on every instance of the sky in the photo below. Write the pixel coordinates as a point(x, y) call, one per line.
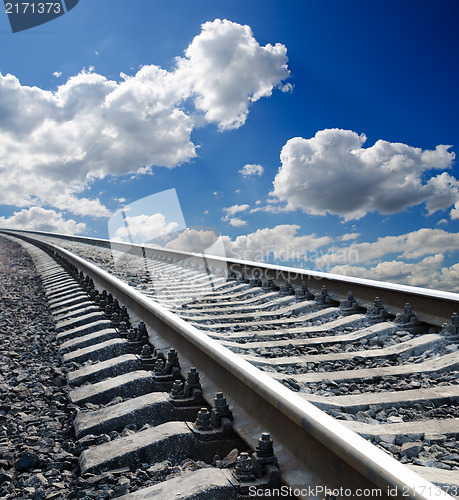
point(318, 134)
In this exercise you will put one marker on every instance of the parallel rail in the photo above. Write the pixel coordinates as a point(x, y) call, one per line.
point(313, 449)
point(434, 307)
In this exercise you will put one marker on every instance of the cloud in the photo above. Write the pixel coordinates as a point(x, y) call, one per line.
point(227, 70)
point(280, 242)
point(251, 170)
point(454, 214)
point(197, 240)
point(412, 245)
point(415, 259)
point(426, 273)
point(40, 219)
point(332, 173)
point(80, 206)
point(349, 236)
point(447, 280)
point(90, 127)
point(236, 209)
point(143, 228)
point(272, 207)
point(237, 222)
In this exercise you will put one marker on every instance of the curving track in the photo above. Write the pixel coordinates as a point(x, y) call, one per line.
point(368, 364)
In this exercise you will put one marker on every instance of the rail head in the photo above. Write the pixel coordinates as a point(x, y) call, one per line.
point(306, 439)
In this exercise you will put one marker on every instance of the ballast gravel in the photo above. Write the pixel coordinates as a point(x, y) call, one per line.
point(35, 424)
point(38, 452)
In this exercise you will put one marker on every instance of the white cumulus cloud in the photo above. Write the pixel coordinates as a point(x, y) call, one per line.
point(227, 69)
point(414, 258)
point(91, 126)
point(237, 222)
point(426, 273)
point(412, 245)
point(251, 169)
point(280, 242)
point(236, 209)
point(143, 228)
point(195, 240)
point(231, 211)
point(454, 214)
point(40, 219)
point(333, 173)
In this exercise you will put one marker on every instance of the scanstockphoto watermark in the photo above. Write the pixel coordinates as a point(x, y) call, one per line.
point(26, 15)
point(153, 228)
point(316, 492)
point(405, 491)
point(288, 254)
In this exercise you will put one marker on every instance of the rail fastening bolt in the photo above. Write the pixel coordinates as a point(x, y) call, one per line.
point(265, 446)
point(145, 352)
point(243, 470)
point(203, 420)
point(177, 391)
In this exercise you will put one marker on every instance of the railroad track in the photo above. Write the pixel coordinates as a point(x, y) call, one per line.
point(270, 341)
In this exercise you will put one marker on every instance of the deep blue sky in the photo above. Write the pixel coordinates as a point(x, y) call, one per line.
point(386, 69)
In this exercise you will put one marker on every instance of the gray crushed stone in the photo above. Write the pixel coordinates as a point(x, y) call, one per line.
point(35, 424)
point(38, 452)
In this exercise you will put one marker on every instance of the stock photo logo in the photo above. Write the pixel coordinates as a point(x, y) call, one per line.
point(155, 223)
point(26, 15)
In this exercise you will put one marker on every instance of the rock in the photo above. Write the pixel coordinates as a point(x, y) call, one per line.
point(230, 459)
point(293, 384)
point(434, 438)
point(440, 465)
point(103, 438)
point(361, 416)
point(127, 432)
point(28, 461)
point(122, 487)
point(158, 470)
point(116, 400)
point(5, 477)
point(386, 438)
point(401, 439)
point(411, 449)
point(103, 495)
point(37, 480)
point(330, 382)
point(394, 420)
point(88, 440)
point(418, 436)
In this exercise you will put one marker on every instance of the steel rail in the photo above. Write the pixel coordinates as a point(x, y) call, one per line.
point(434, 307)
point(315, 452)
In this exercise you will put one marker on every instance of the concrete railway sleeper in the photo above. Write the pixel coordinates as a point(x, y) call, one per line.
point(126, 381)
point(173, 421)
